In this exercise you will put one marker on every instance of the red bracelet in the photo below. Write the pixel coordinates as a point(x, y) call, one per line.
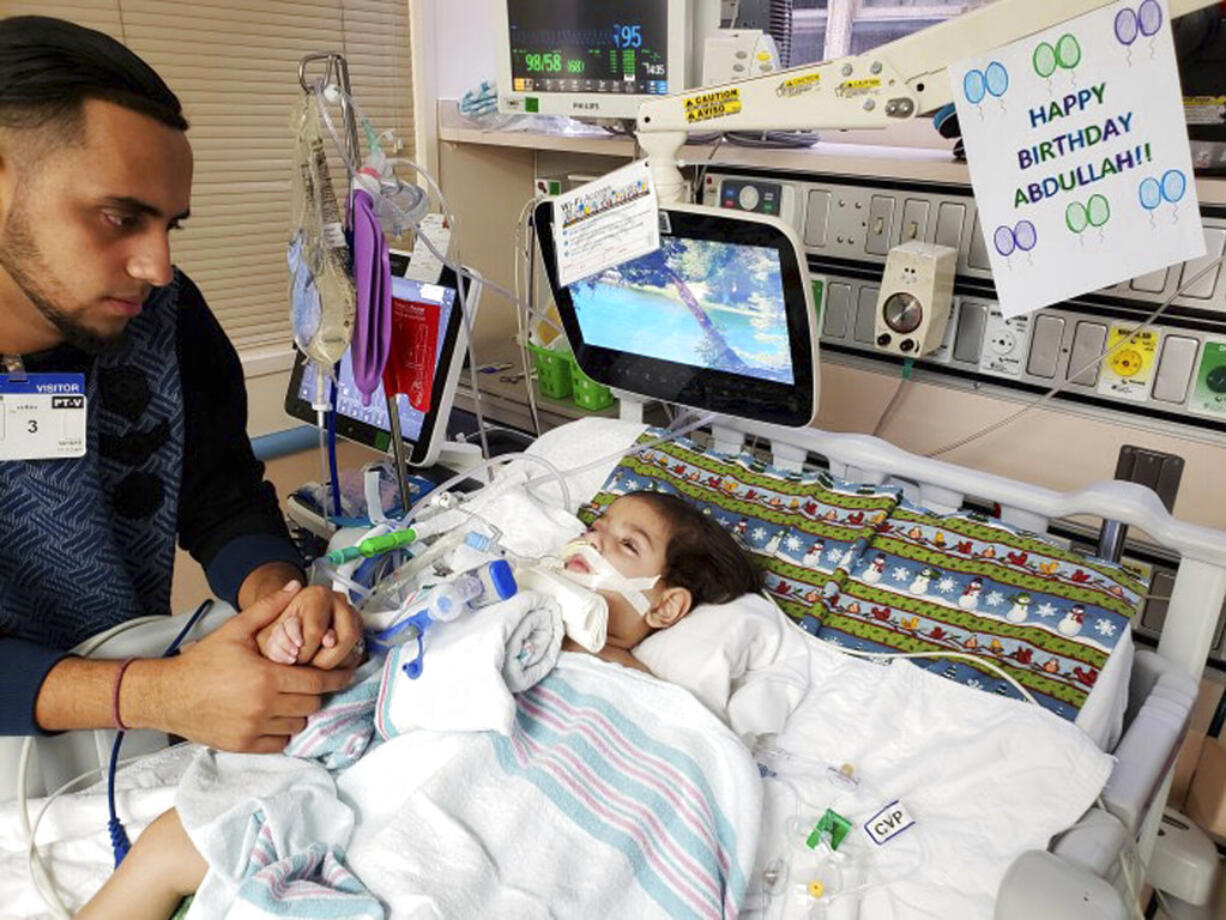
point(119, 726)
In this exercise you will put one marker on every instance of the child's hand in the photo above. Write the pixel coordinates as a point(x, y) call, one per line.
point(319, 627)
point(283, 643)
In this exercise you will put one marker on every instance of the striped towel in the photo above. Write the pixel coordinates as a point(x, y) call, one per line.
point(614, 795)
point(340, 733)
point(273, 833)
point(308, 883)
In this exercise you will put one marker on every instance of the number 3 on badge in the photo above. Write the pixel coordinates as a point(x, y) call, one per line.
point(42, 416)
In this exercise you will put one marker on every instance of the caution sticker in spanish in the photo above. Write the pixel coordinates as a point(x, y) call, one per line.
point(718, 102)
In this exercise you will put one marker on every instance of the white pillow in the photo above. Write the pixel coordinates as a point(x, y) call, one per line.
point(716, 645)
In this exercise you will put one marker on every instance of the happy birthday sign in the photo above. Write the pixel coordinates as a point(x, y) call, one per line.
point(1079, 156)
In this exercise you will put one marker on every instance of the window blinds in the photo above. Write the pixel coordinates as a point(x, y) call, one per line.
point(234, 65)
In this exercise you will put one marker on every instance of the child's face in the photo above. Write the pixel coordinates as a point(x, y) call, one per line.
point(632, 537)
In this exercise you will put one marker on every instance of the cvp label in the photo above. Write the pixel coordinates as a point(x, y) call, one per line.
point(705, 106)
point(888, 823)
point(42, 416)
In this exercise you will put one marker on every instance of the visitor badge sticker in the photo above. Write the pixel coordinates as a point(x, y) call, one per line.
point(1128, 371)
point(606, 222)
point(1079, 155)
point(42, 416)
point(1209, 388)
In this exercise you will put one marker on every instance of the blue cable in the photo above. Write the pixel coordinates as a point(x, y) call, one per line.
point(119, 837)
point(332, 468)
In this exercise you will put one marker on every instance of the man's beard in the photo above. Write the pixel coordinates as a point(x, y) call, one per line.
point(20, 258)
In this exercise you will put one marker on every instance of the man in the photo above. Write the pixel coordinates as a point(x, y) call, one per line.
point(95, 172)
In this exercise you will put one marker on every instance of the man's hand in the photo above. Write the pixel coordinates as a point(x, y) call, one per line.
point(223, 693)
point(320, 626)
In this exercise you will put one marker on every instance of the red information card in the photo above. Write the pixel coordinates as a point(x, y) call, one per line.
point(410, 363)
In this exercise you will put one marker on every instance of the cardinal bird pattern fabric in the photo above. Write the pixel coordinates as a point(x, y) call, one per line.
point(1047, 616)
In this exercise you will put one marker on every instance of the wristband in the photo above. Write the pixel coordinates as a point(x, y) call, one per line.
point(119, 726)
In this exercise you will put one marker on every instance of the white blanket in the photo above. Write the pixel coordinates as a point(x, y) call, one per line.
point(985, 778)
point(470, 668)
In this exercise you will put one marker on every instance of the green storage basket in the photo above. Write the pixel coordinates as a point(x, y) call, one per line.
point(553, 371)
point(589, 394)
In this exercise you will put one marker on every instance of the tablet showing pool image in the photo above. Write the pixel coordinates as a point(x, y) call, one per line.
point(703, 303)
point(721, 318)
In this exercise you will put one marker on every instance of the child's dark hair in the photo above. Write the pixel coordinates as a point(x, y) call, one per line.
point(701, 557)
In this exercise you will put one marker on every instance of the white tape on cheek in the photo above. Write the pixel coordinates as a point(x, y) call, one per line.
point(602, 576)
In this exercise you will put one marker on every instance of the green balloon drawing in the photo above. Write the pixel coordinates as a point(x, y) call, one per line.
point(1044, 60)
point(1098, 210)
point(1075, 217)
point(1068, 52)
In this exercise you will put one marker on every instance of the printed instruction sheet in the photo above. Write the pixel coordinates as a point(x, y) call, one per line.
point(604, 223)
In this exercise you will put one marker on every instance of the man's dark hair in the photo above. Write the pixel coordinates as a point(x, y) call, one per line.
point(49, 67)
point(701, 555)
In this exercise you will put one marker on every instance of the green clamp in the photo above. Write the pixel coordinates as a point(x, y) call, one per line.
point(832, 825)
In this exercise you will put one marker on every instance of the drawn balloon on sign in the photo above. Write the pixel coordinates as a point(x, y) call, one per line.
point(1022, 237)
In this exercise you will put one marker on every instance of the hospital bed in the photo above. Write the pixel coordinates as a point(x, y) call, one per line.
point(1079, 875)
point(1085, 870)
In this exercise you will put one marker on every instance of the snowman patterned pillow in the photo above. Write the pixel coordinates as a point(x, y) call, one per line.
point(806, 529)
point(1048, 616)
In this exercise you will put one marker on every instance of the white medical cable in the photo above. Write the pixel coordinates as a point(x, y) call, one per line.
point(34, 862)
point(554, 473)
point(523, 324)
point(1034, 404)
point(990, 665)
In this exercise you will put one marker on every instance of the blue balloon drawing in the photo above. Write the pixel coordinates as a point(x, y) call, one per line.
point(997, 78)
point(1126, 26)
point(1174, 184)
point(974, 85)
point(1149, 17)
point(1004, 241)
point(1150, 193)
point(1025, 236)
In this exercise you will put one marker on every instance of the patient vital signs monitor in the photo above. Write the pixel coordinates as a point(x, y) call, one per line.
point(597, 60)
point(718, 318)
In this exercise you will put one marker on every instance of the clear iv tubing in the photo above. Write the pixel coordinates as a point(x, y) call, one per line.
point(671, 435)
point(460, 270)
point(802, 801)
point(554, 473)
point(460, 287)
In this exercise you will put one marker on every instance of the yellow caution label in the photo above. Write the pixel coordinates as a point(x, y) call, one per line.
point(794, 86)
point(718, 102)
point(859, 87)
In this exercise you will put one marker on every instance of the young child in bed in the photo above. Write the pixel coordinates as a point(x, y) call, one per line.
point(641, 534)
point(654, 533)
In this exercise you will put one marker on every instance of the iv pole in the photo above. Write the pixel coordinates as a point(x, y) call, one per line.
point(336, 71)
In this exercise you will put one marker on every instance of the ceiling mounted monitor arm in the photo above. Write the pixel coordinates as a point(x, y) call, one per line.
point(900, 80)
